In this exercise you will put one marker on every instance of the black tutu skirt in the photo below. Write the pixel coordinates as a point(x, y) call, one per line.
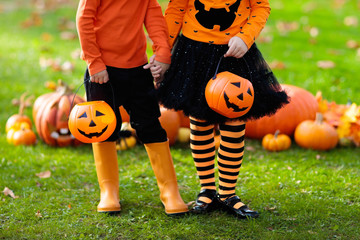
point(194, 64)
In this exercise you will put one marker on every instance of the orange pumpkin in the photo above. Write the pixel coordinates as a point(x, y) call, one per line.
point(317, 135)
point(126, 143)
point(15, 120)
point(184, 120)
point(184, 135)
point(22, 136)
point(276, 142)
point(50, 113)
point(302, 106)
point(170, 121)
point(93, 121)
point(229, 95)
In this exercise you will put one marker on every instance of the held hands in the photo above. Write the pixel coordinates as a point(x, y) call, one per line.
point(100, 77)
point(237, 48)
point(157, 69)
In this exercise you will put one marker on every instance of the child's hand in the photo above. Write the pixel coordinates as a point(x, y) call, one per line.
point(237, 48)
point(100, 77)
point(157, 69)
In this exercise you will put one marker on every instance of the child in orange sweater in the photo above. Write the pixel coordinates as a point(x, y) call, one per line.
point(212, 29)
point(113, 45)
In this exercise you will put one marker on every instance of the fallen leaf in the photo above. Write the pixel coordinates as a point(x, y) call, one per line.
point(67, 67)
point(264, 39)
point(34, 20)
point(339, 3)
point(351, 21)
point(271, 209)
point(285, 27)
point(68, 35)
point(250, 148)
point(314, 32)
point(38, 214)
point(47, 37)
point(326, 64)
point(45, 174)
point(277, 65)
point(9, 192)
point(76, 54)
point(352, 44)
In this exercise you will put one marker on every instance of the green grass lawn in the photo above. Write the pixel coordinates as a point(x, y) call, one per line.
point(301, 194)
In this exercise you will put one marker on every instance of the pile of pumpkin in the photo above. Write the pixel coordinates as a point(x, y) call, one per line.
point(19, 126)
point(305, 119)
point(50, 116)
point(300, 120)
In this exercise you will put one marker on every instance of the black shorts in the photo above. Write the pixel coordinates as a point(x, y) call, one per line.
point(131, 88)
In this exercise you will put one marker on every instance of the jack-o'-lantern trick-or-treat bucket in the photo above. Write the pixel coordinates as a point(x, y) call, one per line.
point(229, 94)
point(93, 121)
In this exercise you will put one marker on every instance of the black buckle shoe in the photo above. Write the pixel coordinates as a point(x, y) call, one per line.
point(243, 212)
point(203, 207)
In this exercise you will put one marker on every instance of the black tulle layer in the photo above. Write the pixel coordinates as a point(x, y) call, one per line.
point(194, 63)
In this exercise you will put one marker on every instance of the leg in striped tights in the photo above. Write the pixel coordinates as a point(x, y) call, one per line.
point(203, 151)
point(230, 156)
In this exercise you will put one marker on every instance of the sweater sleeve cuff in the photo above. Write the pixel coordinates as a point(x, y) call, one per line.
point(248, 40)
point(96, 66)
point(163, 55)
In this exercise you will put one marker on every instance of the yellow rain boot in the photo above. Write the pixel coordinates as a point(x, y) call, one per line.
point(107, 171)
point(162, 164)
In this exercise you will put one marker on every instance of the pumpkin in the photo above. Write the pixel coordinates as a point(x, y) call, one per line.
point(22, 136)
point(184, 120)
point(303, 106)
point(126, 143)
point(317, 135)
point(229, 95)
point(16, 119)
point(93, 121)
point(276, 142)
point(170, 121)
point(50, 114)
point(184, 135)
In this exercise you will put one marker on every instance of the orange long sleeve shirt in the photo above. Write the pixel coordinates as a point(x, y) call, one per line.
point(111, 33)
point(216, 21)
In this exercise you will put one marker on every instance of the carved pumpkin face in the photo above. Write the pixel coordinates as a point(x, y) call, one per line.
point(229, 95)
point(93, 121)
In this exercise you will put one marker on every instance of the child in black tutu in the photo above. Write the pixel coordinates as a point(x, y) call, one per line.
point(212, 29)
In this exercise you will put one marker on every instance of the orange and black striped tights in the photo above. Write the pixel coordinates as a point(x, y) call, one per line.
point(230, 155)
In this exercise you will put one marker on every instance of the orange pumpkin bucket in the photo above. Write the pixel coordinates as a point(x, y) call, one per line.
point(229, 95)
point(91, 122)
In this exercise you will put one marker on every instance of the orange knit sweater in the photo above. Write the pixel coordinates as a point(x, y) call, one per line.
point(111, 33)
point(216, 21)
